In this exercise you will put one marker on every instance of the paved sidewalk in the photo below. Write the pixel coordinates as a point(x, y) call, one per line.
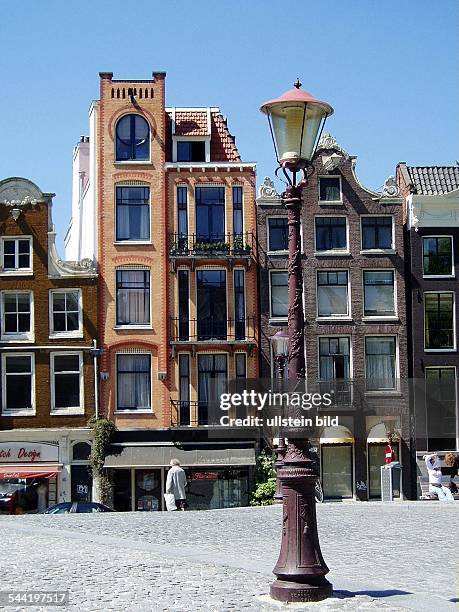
point(381, 556)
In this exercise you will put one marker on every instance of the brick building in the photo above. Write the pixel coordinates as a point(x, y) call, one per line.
point(48, 329)
point(355, 315)
point(431, 204)
point(170, 208)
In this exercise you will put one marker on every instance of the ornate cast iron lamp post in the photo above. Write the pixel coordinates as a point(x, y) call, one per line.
point(296, 120)
point(279, 342)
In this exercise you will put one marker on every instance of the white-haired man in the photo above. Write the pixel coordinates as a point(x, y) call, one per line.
point(435, 478)
point(176, 483)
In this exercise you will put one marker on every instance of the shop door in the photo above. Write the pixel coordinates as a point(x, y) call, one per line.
point(122, 490)
point(148, 490)
point(81, 483)
point(376, 458)
point(337, 473)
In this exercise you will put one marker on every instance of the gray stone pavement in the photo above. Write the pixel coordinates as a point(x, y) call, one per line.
point(400, 556)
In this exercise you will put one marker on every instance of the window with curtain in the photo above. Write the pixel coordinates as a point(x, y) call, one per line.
point(329, 189)
point(17, 314)
point(331, 234)
point(437, 255)
point(210, 214)
point(211, 304)
point(133, 213)
point(184, 389)
point(132, 297)
point(332, 293)
point(17, 383)
point(277, 234)
point(133, 381)
point(378, 297)
point(279, 294)
point(376, 233)
point(239, 304)
point(380, 361)
point(132, 139)
point(334, 358)
point(66, 371)
point(439, 320)
point(212, 382)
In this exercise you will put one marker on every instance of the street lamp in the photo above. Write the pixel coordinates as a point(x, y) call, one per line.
point(279, 342)
point(296, 120)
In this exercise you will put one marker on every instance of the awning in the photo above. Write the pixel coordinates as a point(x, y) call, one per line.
point(336, 435)
point(378, 434)
point(160, 456)
point(29, 471)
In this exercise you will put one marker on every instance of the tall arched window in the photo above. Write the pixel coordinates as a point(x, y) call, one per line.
point(132, 138)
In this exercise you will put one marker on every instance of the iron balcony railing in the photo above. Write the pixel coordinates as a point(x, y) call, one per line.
point(212, 245)
point(212, 330)
point(189, 413)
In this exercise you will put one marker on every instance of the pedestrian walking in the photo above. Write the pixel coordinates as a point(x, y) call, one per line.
point(452, 469)
point(435, 481)
point(175, 485)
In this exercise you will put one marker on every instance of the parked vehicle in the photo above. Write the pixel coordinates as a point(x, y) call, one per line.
point(77, 507)
point(18, 496)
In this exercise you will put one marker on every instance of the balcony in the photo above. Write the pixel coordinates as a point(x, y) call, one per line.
point(188, 413)
point(212, 330)
point(218, 246)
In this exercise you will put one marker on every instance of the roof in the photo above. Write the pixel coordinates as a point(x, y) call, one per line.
point(434, 180)
point(191, 123)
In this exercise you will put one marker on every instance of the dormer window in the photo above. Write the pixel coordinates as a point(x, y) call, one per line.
point(191, 151)
point(132, 139)
point(330, 190)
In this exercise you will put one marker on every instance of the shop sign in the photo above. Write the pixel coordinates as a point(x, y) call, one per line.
point(204, 476)
point(28, 452)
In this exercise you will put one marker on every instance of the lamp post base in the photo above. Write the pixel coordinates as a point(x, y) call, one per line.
point(282, 590)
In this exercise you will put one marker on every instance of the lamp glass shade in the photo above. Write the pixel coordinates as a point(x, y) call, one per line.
point(280, 343)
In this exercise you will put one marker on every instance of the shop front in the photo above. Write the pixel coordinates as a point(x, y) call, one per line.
point(216, 477)
point(337, 463)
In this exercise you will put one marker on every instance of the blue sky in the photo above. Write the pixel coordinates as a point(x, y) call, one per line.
point(389, 69)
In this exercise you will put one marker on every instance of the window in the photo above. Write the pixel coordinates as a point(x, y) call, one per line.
point(441, 408)
point(238, 220)
point(17, 320)
point(380, 363)
point(239, 304)
point(210, 214)
point(18, 383)
point(279, 294)
point(191, 151)
point(81, 451)
point(184, 307)
point(17, 255)
point(332, 294)
point(212, 382)
point(184, 389)
point(334, 358)
point(277, 234)
point(66, 316)
point(437, 255)
point(132, 297)
point(439, 321)
point(182, 210)
point(133, 382)
point(133, 213)
point(331, 234)
point(330, 189)
point(67, 382)
point(240, 363)
point(132, 139)
point(378, 298)
point(377, 233)
point(211, 304)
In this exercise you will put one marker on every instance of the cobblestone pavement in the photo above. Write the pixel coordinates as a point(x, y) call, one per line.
point(381, 556)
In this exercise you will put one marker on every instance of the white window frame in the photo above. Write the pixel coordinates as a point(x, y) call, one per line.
point(21, 412)
point(132, 162)
point(77, 333)
point(71, 410)
point(330, 202)
point(21, 336)
point(396, 389)
point(348, 315)
point(335, 252)
point(127, 241)
point(16, 271)
point(390, 251)
point(393, 317)
point(434, 276)
point(271, 317)
point(441, 350)
point(134, 411)
point(280, 252)
point(205, 139)
point(134, 325)
point(351, 361)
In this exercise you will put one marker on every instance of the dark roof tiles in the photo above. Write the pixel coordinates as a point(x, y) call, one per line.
point(434, 180)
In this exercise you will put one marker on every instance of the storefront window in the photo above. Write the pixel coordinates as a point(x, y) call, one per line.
point(337, 474)
point(224, 488)
point(148, 490)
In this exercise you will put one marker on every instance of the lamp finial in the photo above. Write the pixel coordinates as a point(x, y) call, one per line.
point(297, 84)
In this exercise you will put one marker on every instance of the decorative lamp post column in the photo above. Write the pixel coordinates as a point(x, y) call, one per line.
point(279, 343)
point(296, 120)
